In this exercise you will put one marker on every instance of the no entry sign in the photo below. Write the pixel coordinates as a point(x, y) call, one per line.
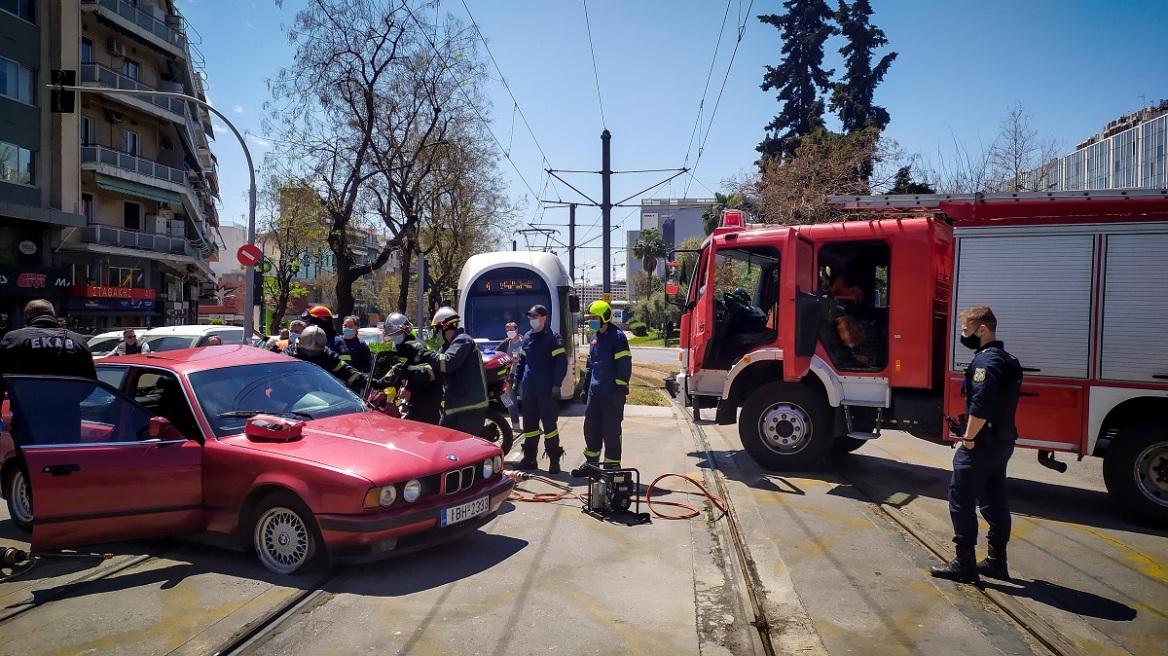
point(248, 255)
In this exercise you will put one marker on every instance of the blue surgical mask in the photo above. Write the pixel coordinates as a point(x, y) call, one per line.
point(398, 339)
point(349, 332)
point(292, 337)
point(594, 324)
point(534, 323)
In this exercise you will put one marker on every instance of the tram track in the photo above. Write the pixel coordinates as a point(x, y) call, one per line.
point(1028, 622)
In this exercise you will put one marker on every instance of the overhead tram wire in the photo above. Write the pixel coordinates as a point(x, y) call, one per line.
point(595, 72)
point(473, 106)
point(709, 76)
point(718, 101)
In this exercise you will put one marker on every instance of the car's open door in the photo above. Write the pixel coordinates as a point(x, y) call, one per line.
point(801, 312)
point(95, 472)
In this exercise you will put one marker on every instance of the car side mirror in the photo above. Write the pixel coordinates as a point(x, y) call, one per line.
point(160, 428)
point(573, 303)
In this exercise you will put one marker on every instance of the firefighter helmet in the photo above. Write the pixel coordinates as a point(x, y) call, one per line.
point(312, 341)
point(446, 318)
point(320, 315)
point(396, 324)
point(602, 310)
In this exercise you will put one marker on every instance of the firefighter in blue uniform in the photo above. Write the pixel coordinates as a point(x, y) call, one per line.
point(459, 364)
point(538, 373)
point(993, 383)
point(610, 364)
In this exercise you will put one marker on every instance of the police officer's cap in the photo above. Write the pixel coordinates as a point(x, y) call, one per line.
point(537, 311)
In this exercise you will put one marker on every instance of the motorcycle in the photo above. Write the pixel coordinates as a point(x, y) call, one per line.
point(498, 370)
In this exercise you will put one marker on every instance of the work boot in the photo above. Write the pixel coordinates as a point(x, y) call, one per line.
point(994, 565)
point(554, 453)
point(530, 452)
point(962, 569)
point(580, 472)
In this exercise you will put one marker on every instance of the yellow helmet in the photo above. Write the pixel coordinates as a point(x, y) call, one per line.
point(602, 310)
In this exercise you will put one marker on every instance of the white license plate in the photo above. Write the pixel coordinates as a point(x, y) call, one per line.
point(465, 511)
point(507, 402)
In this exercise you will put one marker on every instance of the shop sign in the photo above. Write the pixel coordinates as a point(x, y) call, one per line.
point(92, 291)
point(33, 281)
point(111, 304)
point(27, 247)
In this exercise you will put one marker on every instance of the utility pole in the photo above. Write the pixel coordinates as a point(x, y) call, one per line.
point(572, 241)
point(606, 208)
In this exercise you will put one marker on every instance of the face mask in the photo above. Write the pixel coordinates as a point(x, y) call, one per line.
point(292, 337)
point(511, 334)
point(348, 332)
point(971, 342)
point(398, 339)
point(594, 324)
point(534, 323)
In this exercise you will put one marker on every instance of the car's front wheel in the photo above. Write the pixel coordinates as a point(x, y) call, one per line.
point(285, 537)
point(19, 496)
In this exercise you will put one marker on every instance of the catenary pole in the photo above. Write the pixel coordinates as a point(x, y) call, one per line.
point(606, 207)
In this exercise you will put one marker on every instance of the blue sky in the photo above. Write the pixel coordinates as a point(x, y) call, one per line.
point(1073, 64)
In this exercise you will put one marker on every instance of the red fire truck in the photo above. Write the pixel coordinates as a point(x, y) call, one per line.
point(825, 334)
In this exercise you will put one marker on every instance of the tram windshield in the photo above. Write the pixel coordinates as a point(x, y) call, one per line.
point(502, 295)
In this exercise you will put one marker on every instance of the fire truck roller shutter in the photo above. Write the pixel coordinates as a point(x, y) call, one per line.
point(1135, 308)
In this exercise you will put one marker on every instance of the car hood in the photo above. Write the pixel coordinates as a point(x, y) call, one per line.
point(378, 447)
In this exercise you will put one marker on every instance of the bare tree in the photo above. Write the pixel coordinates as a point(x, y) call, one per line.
point(368, 98)
point(1018, 154)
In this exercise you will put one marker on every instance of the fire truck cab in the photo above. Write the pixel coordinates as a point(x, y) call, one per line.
point(822, 335)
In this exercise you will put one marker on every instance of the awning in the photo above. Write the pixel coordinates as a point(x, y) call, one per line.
point(136, 189)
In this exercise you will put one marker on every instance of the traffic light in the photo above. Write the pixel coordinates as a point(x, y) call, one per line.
point(257, 285)
point(63, 101)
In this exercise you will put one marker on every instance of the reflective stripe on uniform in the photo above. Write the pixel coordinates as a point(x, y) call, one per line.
point(612, 461)
point(477, 406)
point(621, 354)
point(591, 454)
point(623, 383)
point(555, 433)
point(534, 433)
point(556, 352)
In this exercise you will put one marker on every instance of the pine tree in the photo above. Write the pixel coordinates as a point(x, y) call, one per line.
point(852, 98)
point(800, 78)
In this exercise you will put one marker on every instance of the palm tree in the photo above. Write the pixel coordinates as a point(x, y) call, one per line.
point(649, 248)
point(713, 214)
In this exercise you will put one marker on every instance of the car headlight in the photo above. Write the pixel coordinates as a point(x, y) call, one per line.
point(498, 463)
point(412, 491)
point(488, 467)
point(387, 496)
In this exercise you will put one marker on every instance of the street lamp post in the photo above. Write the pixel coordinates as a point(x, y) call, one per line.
point(248, 271)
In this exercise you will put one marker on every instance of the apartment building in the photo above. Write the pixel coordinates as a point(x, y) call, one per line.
point(126, 186)
point(676, 218)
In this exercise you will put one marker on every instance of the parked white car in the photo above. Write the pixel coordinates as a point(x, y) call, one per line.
point(103, 344)
point(169, 338)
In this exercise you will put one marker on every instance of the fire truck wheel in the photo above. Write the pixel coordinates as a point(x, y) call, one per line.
point(785, 426)
point(1135, 470)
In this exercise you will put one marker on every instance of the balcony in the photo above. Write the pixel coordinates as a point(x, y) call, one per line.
point(127, 162)
point(163, 32)
point(108, 236)
point(107, 77)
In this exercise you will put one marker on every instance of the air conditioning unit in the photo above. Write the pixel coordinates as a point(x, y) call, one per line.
point(176, 228)
point(116, 48)
point(155, 224)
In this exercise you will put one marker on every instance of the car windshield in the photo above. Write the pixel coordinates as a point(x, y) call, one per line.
point(170, 342)
point(227, 395)
point(370, 339)
point(100, 346)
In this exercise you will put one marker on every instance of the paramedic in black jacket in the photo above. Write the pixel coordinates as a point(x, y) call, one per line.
point(993, 383)
point(44, 347)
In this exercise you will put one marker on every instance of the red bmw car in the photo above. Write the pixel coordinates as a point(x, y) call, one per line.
point(252, 449)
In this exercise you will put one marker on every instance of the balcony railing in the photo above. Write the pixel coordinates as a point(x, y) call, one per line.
point(108, 77)
point(140, 240)
point(128, 162)
point(159, 28)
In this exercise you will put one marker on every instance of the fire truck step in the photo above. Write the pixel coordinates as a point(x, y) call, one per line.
point(860, 435)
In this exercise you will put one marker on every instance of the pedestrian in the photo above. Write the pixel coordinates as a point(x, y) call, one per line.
point(459, 364)
point(280, 342)
point(352, 349)
point(214, 340)
point(993, 384)
point(610, 364)
point(538, 373)
point(43, 347)
point(130, 344)
point(512, 345)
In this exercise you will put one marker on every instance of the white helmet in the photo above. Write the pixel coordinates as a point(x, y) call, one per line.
point(395, 324)
point(312, 341)
point(446, 318)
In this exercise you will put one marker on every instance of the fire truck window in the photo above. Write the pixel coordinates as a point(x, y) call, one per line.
point(855, 278)
point(746, 296)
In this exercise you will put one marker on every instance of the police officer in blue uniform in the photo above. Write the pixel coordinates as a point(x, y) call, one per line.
point(993, 383)
point(610, 364)
point(538, 373)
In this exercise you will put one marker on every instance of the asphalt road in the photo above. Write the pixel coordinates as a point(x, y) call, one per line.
point(834, 573)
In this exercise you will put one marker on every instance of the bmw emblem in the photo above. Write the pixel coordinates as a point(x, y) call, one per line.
point(451, 457)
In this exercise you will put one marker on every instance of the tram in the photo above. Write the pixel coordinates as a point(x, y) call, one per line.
point(496, 288)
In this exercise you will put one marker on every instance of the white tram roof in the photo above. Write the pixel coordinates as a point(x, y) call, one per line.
point(547, 264)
